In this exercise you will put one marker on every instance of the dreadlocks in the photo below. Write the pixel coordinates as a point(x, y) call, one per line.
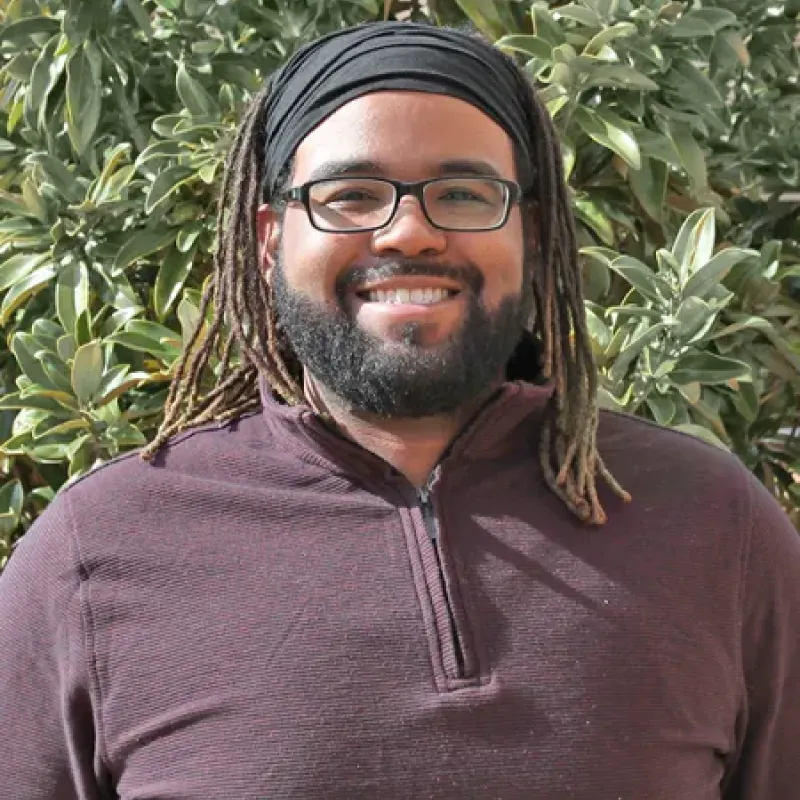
point(241, 297)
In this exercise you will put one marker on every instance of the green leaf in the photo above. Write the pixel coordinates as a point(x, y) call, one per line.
point(621, 137)
point(484, 16)
point(143, 243)
point(745, 400)
point(620, 76)
point(784, 348)
point(21, 291)
point(615, 138)
point(153, 330)
point(598, 42)
point(642, 278)
point(110, 182)
point(694, 317)
point(695, 242)
point(632, 349)
point(46, 71)
point(709, 369)
point(72, 294)
point(580, 14)
point(714, 271)
point(658, 146)
point(20, 32)
point(84, 98)
point(187, 236)
point(699, 432)
point(12, 498)
point(116, 382)
point(171, 277)
point(18, 267)
point(83, 327)
point(118, 319)
point(66, 347)
point(527, 45)
point(39, 401)
point(735, 44)
point(662, 408)
point(188, 316)
point(141, 16)
point(649, 185)
point(701, 22)
point(691, 87)
point(598, 329)
point(24, 346)
point(87, 371)
point(690, 153)
point(167, 182)
point(165, 150)
point(142, 344)
point(56, 370)
point(192, 94)
point(58, 175)
point(593, 217)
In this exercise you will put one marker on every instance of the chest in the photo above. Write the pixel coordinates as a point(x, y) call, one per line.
point(340, 652)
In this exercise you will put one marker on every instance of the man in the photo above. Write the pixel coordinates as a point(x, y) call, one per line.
point(365, 564)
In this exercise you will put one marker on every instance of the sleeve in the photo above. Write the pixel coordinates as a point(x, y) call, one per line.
point(768, 762)
point(47, 708)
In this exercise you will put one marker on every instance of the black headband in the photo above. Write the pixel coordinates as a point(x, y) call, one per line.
point(324, 75)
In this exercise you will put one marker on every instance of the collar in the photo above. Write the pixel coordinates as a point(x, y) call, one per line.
point(508, 423)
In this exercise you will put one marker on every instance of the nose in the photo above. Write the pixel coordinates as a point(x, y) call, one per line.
point(409, 233)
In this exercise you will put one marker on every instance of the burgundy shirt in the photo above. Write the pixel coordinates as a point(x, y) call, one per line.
point(271, 612)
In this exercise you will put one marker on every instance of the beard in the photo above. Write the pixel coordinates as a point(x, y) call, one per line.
point(402, 380)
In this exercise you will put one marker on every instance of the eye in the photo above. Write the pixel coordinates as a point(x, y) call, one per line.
point(461, 195)
point(351, 196)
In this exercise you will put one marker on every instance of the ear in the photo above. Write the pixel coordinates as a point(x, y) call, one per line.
point(268, 229)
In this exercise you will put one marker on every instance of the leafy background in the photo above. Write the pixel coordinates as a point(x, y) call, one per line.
point(678, 123)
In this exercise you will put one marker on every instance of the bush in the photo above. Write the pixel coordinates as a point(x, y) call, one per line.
point(676, 122)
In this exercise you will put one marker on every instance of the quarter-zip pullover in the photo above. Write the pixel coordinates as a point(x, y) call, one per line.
point(269, 611)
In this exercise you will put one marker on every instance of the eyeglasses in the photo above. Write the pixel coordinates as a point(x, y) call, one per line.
point(352, 205)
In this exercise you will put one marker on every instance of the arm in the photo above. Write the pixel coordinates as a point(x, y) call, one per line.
point(768, 762)
point(47, 703)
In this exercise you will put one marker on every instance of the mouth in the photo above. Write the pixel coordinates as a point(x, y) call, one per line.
point(414, 297)
point(408, 293)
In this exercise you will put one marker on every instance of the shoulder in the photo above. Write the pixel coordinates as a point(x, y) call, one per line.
point(205, 451)
point(133, 495)
point(642, 444)
point(634, 445)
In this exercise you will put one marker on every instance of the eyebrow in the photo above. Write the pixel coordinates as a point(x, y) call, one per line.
point(341, 169)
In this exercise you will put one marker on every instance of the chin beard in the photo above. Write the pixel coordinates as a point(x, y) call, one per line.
point(402, 380)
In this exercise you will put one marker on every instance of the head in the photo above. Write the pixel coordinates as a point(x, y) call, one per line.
point(340, 295)
point(408, 298)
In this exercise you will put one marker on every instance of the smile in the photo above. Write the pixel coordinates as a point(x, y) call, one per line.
point(423, 297)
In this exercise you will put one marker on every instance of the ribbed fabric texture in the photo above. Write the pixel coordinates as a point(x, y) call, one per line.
point(260, 615)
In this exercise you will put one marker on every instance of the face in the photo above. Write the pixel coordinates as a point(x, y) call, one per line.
point(407, 320)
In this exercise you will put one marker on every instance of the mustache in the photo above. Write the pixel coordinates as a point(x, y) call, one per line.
point(464, 274)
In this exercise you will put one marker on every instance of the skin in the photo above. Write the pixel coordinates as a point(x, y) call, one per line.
point(394, 131)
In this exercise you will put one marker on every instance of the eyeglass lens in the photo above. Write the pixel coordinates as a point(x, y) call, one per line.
point(453, 203)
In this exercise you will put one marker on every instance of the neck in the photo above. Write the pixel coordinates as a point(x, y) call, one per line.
point(412, 446)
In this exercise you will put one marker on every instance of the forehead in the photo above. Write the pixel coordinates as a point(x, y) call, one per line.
point(408, 135)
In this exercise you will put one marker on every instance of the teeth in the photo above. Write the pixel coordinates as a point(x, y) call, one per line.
point(420, 297)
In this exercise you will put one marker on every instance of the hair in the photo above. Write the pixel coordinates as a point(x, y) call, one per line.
point(241, 298)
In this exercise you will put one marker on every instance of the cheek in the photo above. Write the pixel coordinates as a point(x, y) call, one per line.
point(313, 260)
point(500, 256)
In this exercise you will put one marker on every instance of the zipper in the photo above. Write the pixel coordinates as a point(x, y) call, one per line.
point(428, 513)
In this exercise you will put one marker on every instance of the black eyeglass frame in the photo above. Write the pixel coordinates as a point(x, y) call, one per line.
point(302, 194)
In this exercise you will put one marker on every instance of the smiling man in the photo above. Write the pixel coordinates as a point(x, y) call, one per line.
point(393, 549)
